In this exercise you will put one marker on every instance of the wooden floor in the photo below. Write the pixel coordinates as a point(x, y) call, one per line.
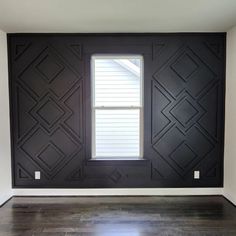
point(113, 216)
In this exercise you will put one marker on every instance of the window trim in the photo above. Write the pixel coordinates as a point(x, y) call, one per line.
point(140, 108)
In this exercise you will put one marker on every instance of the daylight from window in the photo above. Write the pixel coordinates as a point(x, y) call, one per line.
point(117, 106)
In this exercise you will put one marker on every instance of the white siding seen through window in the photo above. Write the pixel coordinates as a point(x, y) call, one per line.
point(117, 106)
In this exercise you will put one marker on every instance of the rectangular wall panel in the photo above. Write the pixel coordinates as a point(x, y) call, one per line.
point(50, 94)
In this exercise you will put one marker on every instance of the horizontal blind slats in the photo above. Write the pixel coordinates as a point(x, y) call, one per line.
point(118, 134)
point(117, 83)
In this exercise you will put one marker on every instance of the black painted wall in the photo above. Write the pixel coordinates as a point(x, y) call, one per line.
point(184, 77)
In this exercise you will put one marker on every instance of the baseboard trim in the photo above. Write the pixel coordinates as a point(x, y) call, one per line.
point(120, 192)
point(6, 201)
point(229, 198)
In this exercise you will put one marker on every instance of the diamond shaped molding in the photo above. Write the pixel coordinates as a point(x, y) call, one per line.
point(184, 100)
point(183, 71)
point(51, 156)
point(184, 112)
point(115, 176)
point(75, 175)
point(49, 68)
point(183, 155)
point(50, 112)
point(184, 66)
point(181, 151)
point(49, 71)
point(43, 149)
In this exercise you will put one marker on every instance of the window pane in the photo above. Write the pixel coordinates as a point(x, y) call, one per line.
point(117, 81)
point(117, 133)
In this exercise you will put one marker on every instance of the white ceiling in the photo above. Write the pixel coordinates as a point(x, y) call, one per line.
point(117, 15)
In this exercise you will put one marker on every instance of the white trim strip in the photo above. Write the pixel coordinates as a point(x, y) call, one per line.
point(119, 192)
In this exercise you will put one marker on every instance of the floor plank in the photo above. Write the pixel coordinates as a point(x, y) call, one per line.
point(113, 216)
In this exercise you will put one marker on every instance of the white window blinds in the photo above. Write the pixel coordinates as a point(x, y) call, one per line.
point(117, 106)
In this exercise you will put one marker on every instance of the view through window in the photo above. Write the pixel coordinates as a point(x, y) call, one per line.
point(117, 106)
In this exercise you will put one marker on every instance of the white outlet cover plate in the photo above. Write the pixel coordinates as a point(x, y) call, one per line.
point(37, 175)
point(196, 174)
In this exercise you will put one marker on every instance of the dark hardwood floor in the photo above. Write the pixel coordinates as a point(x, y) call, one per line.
point(113, 216)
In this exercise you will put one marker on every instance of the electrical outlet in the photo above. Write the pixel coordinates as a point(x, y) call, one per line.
point(196, 174)
point(37, 175)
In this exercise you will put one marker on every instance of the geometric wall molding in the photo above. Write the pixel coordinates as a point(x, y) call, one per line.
point(50, 95)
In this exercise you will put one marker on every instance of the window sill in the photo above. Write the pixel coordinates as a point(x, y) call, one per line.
point(117, 161)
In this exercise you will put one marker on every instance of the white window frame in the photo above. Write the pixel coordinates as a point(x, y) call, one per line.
point(94, 108)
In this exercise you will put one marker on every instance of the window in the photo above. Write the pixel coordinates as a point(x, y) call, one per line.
point(117, 106)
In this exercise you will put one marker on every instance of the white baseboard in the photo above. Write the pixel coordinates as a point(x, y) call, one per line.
point(4, 198)
point(230, 197)
point(119, 192)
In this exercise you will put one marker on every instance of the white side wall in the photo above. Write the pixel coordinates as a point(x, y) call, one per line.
point(230, 119)
point(5, 155)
